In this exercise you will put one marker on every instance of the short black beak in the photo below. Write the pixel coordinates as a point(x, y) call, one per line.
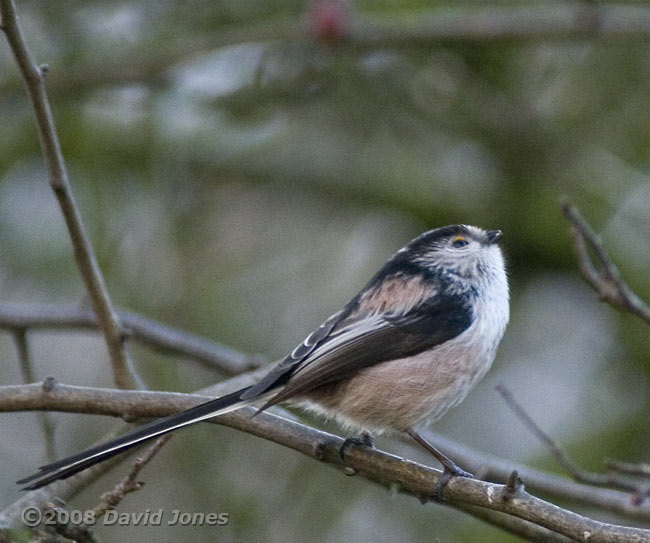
point(494, 236)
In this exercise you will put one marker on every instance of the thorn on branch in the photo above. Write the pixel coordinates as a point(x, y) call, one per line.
point(514, 485)
point(49, 383)
point(129, 417)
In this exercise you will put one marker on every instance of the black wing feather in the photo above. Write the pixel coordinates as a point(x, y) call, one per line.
point(282, 372)
point(376, 339)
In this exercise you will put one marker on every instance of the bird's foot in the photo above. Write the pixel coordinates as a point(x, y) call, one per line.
point(450, 471)
point(364, 440)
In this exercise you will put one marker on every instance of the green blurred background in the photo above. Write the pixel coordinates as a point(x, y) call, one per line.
point(243, 186)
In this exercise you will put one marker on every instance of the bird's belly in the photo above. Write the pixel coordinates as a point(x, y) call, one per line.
point(401, 394)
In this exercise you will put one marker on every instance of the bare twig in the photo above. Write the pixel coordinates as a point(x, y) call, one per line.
point(148, 331)
point(493, 468)
point(33, 77)
point(376, 465)
point(128, 483)
point(24, 359)
point(607, 282)
point(579, 474)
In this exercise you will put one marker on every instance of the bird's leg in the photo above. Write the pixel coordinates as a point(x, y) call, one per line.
point(450, 469)
point(365, 439)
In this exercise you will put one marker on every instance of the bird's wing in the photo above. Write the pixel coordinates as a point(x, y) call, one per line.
point(363, 339)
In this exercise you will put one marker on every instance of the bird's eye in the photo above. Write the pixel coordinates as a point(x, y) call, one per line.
point(459, 242)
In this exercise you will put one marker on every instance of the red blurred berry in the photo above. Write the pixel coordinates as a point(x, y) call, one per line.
point(328, 20)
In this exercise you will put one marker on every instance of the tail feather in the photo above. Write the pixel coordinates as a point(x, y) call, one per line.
point(66, 467)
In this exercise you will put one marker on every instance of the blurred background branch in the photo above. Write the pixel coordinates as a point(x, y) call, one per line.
point(22, 347)
point(362, 32)
point(148, 331)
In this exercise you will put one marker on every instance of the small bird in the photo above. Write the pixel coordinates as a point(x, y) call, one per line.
point(409, 346)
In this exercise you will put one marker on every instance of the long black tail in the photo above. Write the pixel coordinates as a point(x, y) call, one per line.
point(74, 464)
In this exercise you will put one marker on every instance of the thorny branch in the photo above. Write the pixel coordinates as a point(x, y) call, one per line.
point(493, 468)
point(373, 464)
